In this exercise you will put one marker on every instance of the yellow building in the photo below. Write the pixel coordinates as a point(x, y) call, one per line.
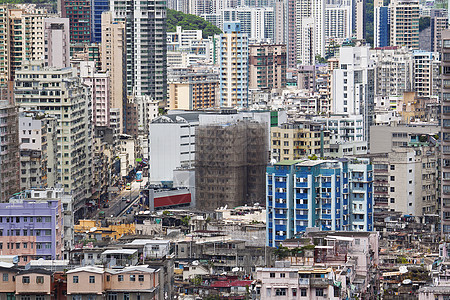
point(93, 227)
point(297, 140)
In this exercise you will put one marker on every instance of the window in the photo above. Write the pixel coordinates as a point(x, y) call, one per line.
point(282, 275)
point(392, 189)
point(5, 276)
point(132, 277)
point(25, 298)
point(26, 279)
point(319, 292)
point(40, 279)
point(280, 292)
point(392, 178)
point(392, 200)
point(141, 277)
point(303, 293)
point(392, 167)
point(112, 297)
point(294, 292)
point(120, 277)
point(75, 279)
point(108, 278)
point(39, 297)
point(272, 275)
point(91, 279)
point(126, 296)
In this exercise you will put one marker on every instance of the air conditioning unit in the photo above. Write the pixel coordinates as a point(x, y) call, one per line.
point(324, 295)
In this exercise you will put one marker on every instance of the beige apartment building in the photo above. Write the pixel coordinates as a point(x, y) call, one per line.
point(21, 38)
point(267, 66)
point(405, 180)
point(191, 91)
point(113, 60)
point(445, 135)
point(405, 23)
point(297, 140)
point(60, 93)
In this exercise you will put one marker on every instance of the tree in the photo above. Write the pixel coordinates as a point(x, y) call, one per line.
point(190, 22)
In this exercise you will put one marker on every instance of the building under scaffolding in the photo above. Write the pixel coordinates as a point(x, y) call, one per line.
point(230, 164)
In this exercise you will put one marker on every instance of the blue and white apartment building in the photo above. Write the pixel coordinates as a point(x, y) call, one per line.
point(332, 195)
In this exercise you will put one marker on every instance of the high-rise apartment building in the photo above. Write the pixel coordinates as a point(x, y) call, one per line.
point(98, 83)
point(267, 66)
point(426, 74)
point(230, 161)
point(60, 93)
point(98, 7)
point(113, 60)
point(381, 28)
point(57, 42)
point(20, 25)
point(38, 150)
point(79, 14)
point(291, 33)
point(394, 71)
point(233, 76)
point(405, 179)
point(338, 20)
point(445, 135)
point(310, 27)
point(145, 25)
point(438, 23)
point(353, 84)
point(360, 19)
point(256, 22)
point(9, 151)
point(404, 23)
point(279, 17)
point(327, 194)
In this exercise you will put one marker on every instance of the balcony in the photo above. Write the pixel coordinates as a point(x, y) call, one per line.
point(320, 282)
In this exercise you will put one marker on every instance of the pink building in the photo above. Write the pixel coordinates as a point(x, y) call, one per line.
point(57, 46)
point(100, 85)
point(136, 282)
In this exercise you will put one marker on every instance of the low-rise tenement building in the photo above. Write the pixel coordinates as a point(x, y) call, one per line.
point(31, 226)
point(327, 194)
point(134, 282)
point(322, 265)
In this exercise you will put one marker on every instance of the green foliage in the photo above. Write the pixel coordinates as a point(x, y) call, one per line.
point(369, 22)
point(312, 157)
point(282, 252)
point(197, 280)
point(49, 4)
point(320, 59)
point(190, 22)
point(402, 260)
point(424, 23)
point(185, 220)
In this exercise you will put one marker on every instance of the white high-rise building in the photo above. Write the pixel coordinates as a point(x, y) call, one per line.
point(256, 22)
point(310, 22)
point(338, 20)
point(353, 84)
point(393, 71)
point(145, 27)
point(233, 73)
